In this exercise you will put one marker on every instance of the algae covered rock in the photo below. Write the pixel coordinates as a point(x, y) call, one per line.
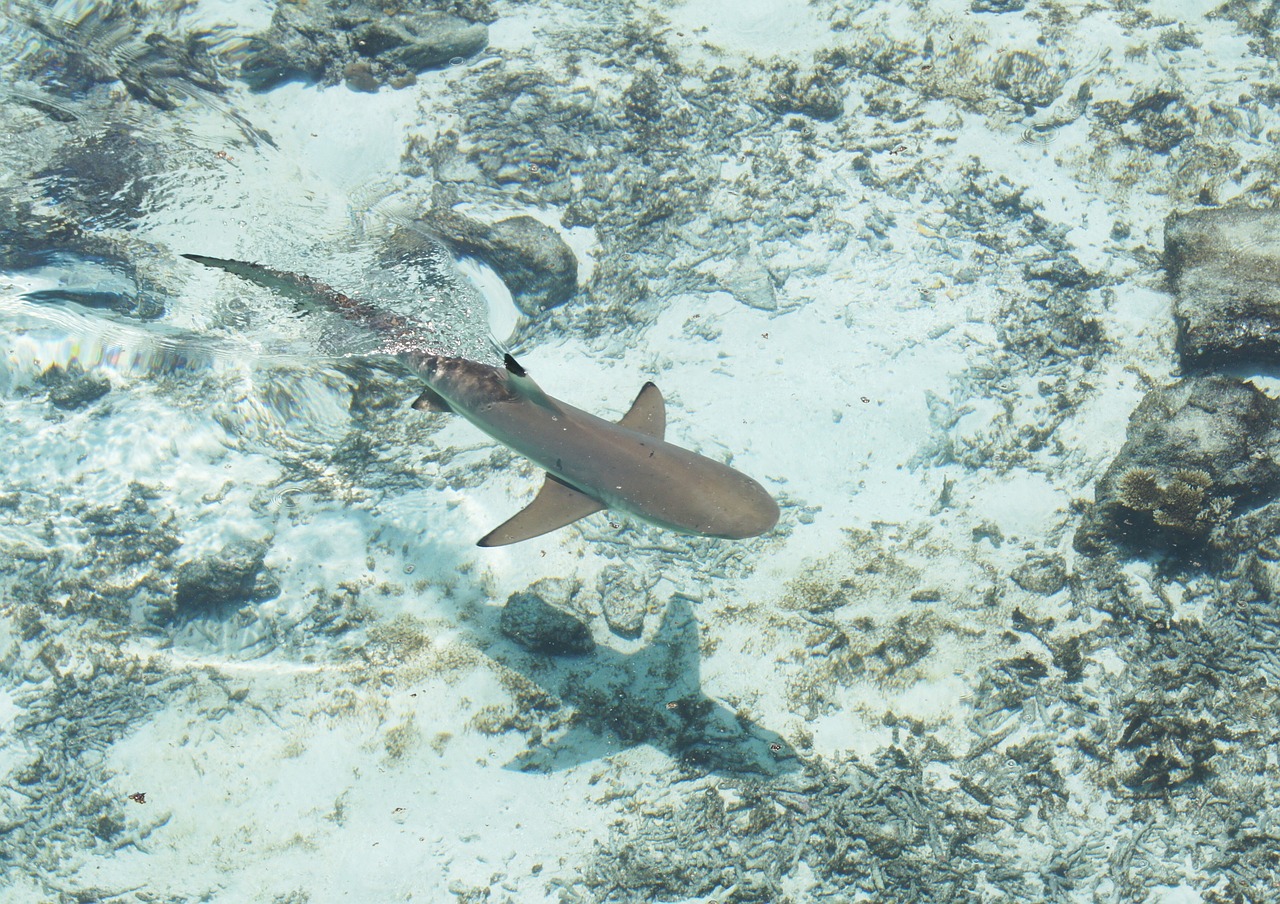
point(223, 582)
point(1225, 267)
point(1198, 453)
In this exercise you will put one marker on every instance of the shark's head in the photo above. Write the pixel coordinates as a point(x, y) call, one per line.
point(466, 384)
point(747, 511)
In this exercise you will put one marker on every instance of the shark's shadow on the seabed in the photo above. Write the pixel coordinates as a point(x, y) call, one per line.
point(652, 696)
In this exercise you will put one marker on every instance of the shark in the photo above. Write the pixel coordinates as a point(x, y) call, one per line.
point(590, 464)
point(652, 696)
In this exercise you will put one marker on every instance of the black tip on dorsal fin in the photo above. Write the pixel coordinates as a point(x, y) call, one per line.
point(514, 366)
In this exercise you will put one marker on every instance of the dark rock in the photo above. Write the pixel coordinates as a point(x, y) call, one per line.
point(643, 101)
point(359, 76)
point(364, 47)
point(71, 387)
point(1225, 267)
point(1045, 575)
point(1197, 454)
point(278, 59)
point(997, 6)
point(221, 583)
point(535, 625)
point(424, 40)
point(537, 266)
point(1163, 122)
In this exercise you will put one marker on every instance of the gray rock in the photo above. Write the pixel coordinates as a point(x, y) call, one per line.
point(421, 41)
point(1198, 453)
point(535, 625)
point(221, 583)
point(537, 266)
point(1063, 270)
point(624, 597)
point(1225, 267)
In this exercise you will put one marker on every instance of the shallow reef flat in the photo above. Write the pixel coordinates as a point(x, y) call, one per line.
point(984, 292)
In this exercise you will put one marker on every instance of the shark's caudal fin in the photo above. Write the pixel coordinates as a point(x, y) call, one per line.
point(557, 503)
point(302, 290)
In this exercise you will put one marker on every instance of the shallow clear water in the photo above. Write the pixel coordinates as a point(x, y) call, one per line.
point(981, 293)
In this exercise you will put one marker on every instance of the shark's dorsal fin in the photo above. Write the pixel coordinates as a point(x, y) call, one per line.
point(648, 412)
point(556, 505)
point(430, 400)
point(525, 386)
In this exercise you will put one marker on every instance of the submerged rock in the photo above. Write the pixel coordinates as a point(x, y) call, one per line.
point(105, 177)
point(537, 266)
point(363, 46)
point(539, 627)
point(748, 280)
point(71, 387)
point(1225, 268)
point(1197, 453)
point(276, 59)
point(223, 582)
point(421, 41)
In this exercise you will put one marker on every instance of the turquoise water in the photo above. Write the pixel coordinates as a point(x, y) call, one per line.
point(980, 293)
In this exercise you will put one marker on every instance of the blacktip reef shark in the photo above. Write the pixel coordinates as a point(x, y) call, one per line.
point(591, 464)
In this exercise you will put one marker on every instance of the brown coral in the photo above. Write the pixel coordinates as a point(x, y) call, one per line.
point(1182, 504)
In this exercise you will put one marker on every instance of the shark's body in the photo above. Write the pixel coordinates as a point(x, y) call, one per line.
point(591, 464)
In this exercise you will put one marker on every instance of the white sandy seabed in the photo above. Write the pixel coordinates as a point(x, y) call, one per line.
point(362, 775)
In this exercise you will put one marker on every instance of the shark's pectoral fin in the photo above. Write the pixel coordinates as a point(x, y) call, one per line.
point(430, 400)
point(556, 505)
point(648, 412)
